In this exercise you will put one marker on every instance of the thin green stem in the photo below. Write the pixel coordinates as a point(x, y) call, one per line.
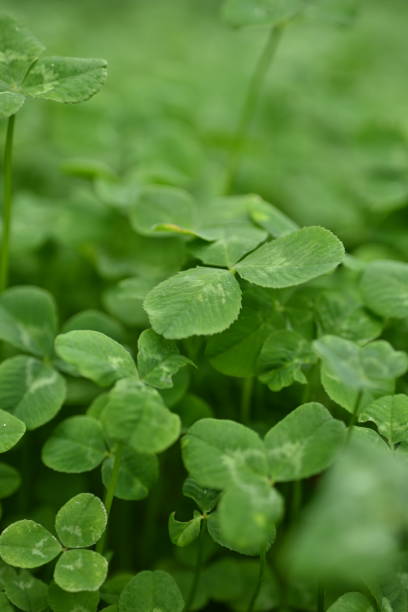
point(311, 388)
point(110, 493)
point(7, 203)
point(321, 600)
point(148, 541)
point(247, 388)
point(354, 415)
point(27, 474)
point(123, 528)
point(372, 599)
point(255, 86)
point(262, 563)
point(197, 569)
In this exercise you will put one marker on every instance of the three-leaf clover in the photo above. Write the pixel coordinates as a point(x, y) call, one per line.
point(24, 73)
point(206, 300)
point(79, 523)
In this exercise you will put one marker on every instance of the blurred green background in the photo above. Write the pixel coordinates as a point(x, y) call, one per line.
point(328, 143)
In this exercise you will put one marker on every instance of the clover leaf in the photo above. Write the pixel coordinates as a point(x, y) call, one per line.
point(150, 591)
point(69, 571)
point(23, 73)
point(304, 443)
point(95, 356)
point(11, 431)
point(28, 544)
point(136, 414)
point(158, 359)
point(194, 302)
point(31, 390)
point(81, 521)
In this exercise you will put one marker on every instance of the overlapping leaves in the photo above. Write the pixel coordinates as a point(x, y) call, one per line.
point(83, 442)
point(227, 456)
point(31, 388)
point(349, 369)
point(204, 300)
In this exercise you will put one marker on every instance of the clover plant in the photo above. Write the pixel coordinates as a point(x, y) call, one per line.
point(25, 73)
point(203, 399)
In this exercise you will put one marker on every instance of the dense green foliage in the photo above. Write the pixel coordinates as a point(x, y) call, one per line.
point(203, 306)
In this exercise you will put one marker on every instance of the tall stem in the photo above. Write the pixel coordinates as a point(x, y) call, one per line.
point(247, 387)
point(262, 563)
point(153, 504)
point(354, 416)
point(7, 203)
point(27, 474)
point(255, 85)
point(321, 603)
point(110, 493)
point(197, 570)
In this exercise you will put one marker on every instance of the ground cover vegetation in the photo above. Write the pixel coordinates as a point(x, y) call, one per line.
point(203, 306)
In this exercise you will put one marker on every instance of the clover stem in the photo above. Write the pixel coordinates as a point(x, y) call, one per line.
point(197, 570)
point(321, 603)
point(7, 202)
point(354, 415)
point(255, 85)
point(311, 388)
point(247, 388)
point(262, 563)
point(27, 474)
point(110, 493)
point(149, 535)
